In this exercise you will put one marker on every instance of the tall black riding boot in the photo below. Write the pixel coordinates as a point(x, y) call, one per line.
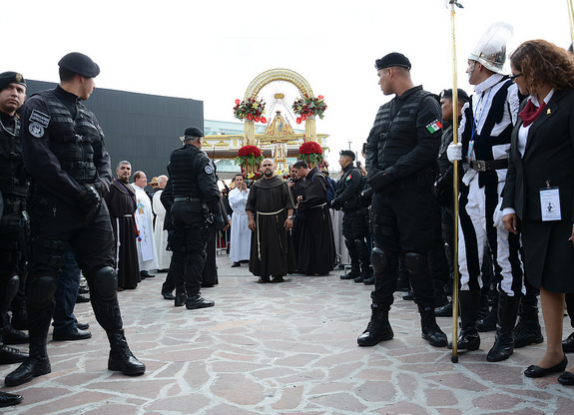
point(37, 364)
point(378, 329)
point(430, 330)
point(121, 357)
point(469, 303)
point(488, 323)
point(504, 342)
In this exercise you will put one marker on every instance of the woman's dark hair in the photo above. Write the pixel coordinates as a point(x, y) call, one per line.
point(542, 62)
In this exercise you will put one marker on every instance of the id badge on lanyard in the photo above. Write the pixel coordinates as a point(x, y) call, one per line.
point(550, 203)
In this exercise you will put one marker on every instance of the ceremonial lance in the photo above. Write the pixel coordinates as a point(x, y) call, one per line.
point(454, 357)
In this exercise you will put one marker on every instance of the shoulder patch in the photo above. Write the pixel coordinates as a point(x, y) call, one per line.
point(40, 118)
point(36, 129)
point(208, 169)
point(434, 126)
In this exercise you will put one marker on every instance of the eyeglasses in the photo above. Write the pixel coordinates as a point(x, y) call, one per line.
point(513, 77)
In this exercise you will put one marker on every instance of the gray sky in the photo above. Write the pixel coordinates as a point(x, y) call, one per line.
point(211, 50)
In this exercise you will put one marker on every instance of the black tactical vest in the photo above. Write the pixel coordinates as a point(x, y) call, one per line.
point(72, 141)
point(397, 136)
point(13, 179)
point(184, 165)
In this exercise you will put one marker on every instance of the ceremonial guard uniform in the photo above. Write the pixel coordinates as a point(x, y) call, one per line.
point(64, 152)
point(484, 134)
point(14, 219)
point(194, 212)
point(401, 153)
point(355, 219)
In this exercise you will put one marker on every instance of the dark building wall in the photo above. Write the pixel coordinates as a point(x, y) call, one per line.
point(143, 129)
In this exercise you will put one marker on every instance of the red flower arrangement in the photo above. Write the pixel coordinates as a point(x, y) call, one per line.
point(249, 155)
point(252, 109)
point(311, 152)
point(308, 106)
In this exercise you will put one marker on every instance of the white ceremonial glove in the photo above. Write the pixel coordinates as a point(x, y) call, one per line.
point(454, 152)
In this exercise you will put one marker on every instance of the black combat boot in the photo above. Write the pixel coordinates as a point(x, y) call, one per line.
point(121, 358)
point(504, 342)
point(430, 330)
point(354, 273)
point(8, 355)
point(37, 364)
point(488, 323)
point(468, 338)
point(444, 311)
point(527, 331)
point(378, 329)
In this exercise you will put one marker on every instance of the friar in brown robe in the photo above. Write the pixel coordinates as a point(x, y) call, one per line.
point(121, 202)
point(270, 211)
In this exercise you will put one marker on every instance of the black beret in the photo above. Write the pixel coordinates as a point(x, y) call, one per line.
point(193, 132)
point(447, 93)
point(81, 64)
point(7, 78)
point(348, 153)
point(393, 59)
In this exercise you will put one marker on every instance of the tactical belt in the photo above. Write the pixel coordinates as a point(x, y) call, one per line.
point(188, 199)
point(488, 165)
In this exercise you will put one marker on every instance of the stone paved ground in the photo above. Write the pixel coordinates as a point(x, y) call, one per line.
point(280, 349)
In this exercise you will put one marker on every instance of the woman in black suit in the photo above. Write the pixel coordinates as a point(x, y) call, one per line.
point(539, 193)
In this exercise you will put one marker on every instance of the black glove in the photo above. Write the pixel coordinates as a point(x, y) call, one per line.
point(380, 183)
point(336, 204)
point(101, 188)
point(89, 201)
point(219, 222)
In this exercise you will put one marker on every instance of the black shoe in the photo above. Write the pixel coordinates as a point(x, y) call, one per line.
point(82, 326)
point(410, 296)
point(8, 399)
point(27, 371)
point(12, 336)
point(180, 299)
point(168, 296)
point(8, 355)
point(445, 311)
point(121, 358)
point(82, 299)
point(235, 265)
point(73, 334)
point(83, 290)
point(568, 344)
point(277, 278)
point(534, 371)
point(566, 378)
point(197, 301)
point(369, 281)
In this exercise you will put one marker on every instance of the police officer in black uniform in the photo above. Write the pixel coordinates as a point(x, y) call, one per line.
point(355, 225)
point(402, 148)
point(14, 219)
point(196, 209)
point(64, 153)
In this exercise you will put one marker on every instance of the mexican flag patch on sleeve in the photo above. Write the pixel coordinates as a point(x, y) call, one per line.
point(434, 126)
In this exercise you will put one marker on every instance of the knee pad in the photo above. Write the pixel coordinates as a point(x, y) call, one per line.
point(360, 245)
point(105, 282)
point(42, 289)
point(417, 264)
point(11, 289)
point(379, 260)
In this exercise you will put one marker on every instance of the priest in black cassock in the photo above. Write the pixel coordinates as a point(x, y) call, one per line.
point(121, 201)
point(317, 252)
point(270, 211)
